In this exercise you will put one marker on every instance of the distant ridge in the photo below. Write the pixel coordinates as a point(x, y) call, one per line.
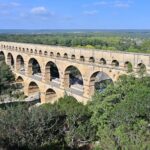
point(49, 31)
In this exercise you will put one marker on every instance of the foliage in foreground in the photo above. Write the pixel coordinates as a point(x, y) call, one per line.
point(121, 115)
point(8, 88)
point(6, 76)
point(57, 126)
point(118, 118)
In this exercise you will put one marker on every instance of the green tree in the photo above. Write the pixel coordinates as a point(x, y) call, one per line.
point(6, 76)
point(121, 114)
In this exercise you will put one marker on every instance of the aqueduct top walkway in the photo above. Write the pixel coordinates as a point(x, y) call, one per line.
point(54, 70)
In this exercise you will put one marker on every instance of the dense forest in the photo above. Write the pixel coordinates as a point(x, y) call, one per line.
point(122, 41)
point(118, 118)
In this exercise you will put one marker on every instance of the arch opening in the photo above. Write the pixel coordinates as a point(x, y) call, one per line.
point(10, 60)
point(82, 58)
point(99, 82)
point(91, 59)
point(50, 95)
point(27, 50)
point(31, 50)
point(102, 61)
point(34, 68)
point(73, 79)
point(128, 66)
point(20, 64)
point(73, 57)
point(20, 82)
point(35, 51)
point(19, 79)
point(51, 54)
point(2, 56)
point(52, 72)
point(45, 53)
point(34, 91)
point(141, 68)
point(66, 56)
point(40, 52)
point(58, 55)
point(115, 63)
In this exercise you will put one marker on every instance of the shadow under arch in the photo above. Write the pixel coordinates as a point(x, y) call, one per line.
point(141, 68)
point(20, 64)
point(51, 72)
point(19, 79)
point(115, 63)
point(128, 66)
point(34, 68)
point(50, 95)
point(73, 79)
point(99, 81)
point(20, 82)
point(10, 60)
point(34, 90)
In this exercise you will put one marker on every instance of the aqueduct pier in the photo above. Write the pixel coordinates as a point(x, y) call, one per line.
point(48, 69)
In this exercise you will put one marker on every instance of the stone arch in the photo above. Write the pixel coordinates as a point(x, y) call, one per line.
point(50, 95)
point(141, 68)
point(73, 78)
point(20, 64)
point(45, 53)
point(27, 50)
point(115, 63)
point(31, 50)
point(98, 81)
point(40, 52)
point(128, 66)
point(82, 58)
point(10, 60)
point(34, 90)
point(20, 82)
point(23, 50)
point(73, 57)
point(66, 56)
point(51, 72)
point(58, 55)
point(34, 68)
point(103, 61)
point(51, 54)
point(19, 79)
point(92, 59)
point(35, 51)
point(2, 56)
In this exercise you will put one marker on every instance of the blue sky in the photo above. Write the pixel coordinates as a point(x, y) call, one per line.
point(75, 14)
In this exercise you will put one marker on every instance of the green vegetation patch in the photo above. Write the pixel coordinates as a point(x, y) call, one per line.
point(122, 41)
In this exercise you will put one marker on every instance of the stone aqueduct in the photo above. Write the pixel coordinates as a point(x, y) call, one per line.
point(90, 63)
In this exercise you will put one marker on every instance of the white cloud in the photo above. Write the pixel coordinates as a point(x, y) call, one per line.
point(121, 4)
point(100, 3)
point(114, 3)
point(91, 13)
point(39, 10)
point(9, 5)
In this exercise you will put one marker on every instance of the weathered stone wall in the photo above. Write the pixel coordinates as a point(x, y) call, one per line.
point(64, 57)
